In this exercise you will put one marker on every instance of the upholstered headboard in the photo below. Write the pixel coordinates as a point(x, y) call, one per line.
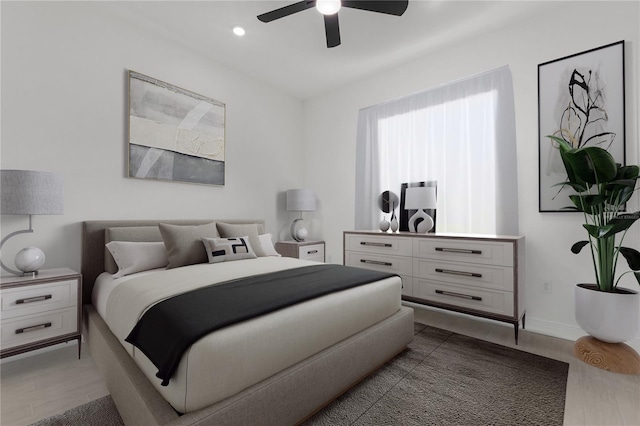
point(93, 243)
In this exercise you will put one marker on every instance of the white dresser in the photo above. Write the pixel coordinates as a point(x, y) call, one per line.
point(480, 275)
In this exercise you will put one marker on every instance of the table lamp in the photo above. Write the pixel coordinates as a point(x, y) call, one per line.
point(31, 193)
point(300, 200)
point(420, 198)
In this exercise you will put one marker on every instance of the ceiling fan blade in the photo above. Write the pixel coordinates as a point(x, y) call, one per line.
point(287, 10)
point(390, 7)
point(332, 30)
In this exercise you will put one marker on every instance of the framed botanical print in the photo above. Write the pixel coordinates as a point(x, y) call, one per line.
point(581, 99)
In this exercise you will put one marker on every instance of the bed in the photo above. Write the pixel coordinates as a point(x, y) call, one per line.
point(275, 386)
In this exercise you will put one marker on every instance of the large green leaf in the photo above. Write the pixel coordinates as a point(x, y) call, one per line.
point(637, 274)
point(615, 225)
point(592, 164)
point(619, 192)
point(628, 172)
point(599, 231)
point(577, 247)
point(632, 256)
point(564, 147)
point(588, 203)
point(624, 221)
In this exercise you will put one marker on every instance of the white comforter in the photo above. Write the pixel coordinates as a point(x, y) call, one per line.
point(229, 360)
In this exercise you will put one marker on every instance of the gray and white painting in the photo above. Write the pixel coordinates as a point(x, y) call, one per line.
point(174, 134)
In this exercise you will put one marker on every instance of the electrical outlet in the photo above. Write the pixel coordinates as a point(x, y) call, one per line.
point(547, 287)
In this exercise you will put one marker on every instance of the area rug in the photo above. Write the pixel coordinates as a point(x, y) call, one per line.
point(442, 378)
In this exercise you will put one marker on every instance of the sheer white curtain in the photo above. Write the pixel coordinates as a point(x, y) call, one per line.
point(461, 135)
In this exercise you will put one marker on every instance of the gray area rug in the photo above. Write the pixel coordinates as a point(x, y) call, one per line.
point(443, 378)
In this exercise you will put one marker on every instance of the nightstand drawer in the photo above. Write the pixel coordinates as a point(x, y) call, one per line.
point(312, 252)
point(462, 250)
point(480, 300)
point(38, 298)
point(392, 264)
point(33, 328)
point(380, 244)
point(475, 275)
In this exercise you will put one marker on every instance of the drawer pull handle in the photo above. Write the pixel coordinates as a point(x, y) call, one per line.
point(33, 299)
point(33, 328)
point(376, 262)
point(456, 250)
point(463, 296)
point(463, 273)
point(367, 243)
point(312, 251)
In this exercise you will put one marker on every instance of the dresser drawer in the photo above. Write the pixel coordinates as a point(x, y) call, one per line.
point(475, 275)
point(462, 250)
point(392, 264)
point(380, 244)
point(33, 328)
point(312, 252)
point(478, 299)
point(38, 298)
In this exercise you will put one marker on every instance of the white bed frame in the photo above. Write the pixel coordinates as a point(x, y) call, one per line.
point(289, 397)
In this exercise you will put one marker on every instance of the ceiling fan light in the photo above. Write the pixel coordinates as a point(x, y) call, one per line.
point(328, 7)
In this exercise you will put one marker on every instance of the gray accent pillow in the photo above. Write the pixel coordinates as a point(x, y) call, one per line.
point(184, 243)
point(243, 230)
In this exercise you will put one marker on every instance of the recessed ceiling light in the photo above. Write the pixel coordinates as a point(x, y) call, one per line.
point(239, 31)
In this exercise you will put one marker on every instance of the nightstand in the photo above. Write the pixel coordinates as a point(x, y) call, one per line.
point(307, 250)
point(39, 311)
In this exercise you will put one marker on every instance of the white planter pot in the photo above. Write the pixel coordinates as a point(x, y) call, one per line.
point(610, 317)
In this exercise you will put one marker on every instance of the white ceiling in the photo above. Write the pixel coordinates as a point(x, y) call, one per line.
point(291, 54)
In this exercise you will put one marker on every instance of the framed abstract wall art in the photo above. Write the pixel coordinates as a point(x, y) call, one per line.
point(174, 134)
point(581, 98)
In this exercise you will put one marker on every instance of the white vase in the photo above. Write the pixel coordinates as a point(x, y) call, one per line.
point(610, 317)
point(384, 225)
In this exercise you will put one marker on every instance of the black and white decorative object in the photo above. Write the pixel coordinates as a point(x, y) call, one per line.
point(387, 202)
point(300, 200)
point(404, 213)
point(27, 192)
point(394, 219)
point(420, 198)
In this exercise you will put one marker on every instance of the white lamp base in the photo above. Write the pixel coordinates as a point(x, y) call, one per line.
point(29, 259)
point(424, 226)
point(298, 234)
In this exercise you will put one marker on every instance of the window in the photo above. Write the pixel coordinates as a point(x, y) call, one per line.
point(461, 135)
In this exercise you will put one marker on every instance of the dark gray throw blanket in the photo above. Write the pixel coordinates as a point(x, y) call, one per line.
point(169, 327)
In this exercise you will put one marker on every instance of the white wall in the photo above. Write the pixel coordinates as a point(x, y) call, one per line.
point(330, 133)
point(64, 109)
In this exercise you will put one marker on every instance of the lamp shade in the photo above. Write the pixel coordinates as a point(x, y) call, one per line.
point(30, 192)
point(420, 197)
point(303, 200)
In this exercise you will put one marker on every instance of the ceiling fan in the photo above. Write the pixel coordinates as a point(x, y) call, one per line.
point(329, 8)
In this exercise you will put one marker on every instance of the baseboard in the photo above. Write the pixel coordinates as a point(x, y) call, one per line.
point(565, 331)
point(534, 325)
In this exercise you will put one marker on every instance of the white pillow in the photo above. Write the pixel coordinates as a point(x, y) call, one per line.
point(134, 257)
point(267, 245)
point(226, 249)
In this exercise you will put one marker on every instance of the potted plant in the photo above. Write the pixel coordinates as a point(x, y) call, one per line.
point(604, 310)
